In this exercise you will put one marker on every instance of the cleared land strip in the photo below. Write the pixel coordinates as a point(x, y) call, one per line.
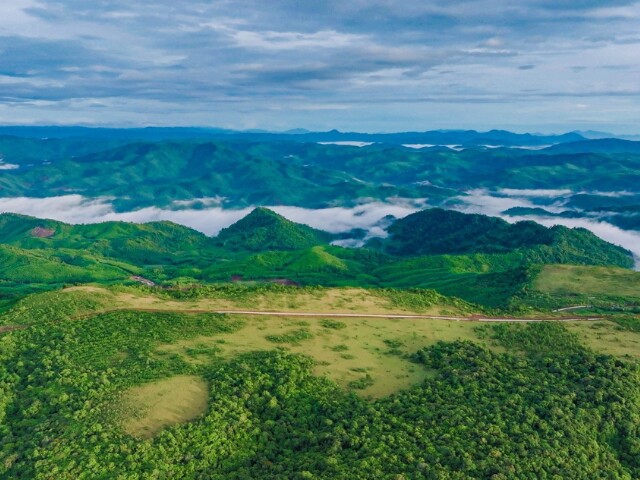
point(473, 318)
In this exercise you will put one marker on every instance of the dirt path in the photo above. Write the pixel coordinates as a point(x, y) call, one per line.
point(11, 328)
point(472, 318)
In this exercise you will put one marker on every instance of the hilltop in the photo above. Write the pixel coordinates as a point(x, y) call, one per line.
point(480, 259)
point(264, 229)
point(437, 231)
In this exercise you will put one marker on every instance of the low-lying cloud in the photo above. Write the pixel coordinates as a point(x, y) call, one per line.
point(482, 201)
point(77, 209)
point(8, 166)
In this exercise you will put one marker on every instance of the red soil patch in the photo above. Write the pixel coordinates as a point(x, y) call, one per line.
point(41, 232)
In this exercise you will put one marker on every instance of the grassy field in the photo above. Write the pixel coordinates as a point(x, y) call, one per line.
point(607, 337)
point(366, 355)
point(151, 407)
point(81, 301)
point(586, 280)
point(345, 351)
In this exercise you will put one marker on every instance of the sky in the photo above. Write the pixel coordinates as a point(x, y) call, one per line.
point(360, 65)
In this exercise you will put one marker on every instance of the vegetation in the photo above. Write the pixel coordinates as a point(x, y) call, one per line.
point(121, 379)
point(264, 229)
point(41, 255)
point(69, 388)
point(438, 231)
point(293, 336)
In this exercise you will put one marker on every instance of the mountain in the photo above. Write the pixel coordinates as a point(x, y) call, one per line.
point(264, 230)
point(602, 145)
point(246, 171)
point(477, 258)
point(154, 134)
point(437, 231)
point(148, 243)
point(158, 174)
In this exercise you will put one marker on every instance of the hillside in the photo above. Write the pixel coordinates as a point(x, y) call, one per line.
point(477, 258)
point(437, 231)
point(140, 169)
point(264, 230)
point(148, 243)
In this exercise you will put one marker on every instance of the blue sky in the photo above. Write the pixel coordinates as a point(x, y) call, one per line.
point(365, 65)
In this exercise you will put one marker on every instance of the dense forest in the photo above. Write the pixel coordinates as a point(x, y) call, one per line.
point(548, 408)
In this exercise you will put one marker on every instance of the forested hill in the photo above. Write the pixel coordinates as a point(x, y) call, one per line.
point(264, 230)
point(154, 242)
point(437, 231)
point(305, 171)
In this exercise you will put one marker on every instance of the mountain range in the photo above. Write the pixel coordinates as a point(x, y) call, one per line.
point(435, 248)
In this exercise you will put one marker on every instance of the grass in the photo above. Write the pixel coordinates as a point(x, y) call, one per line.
point(607, 337)
point(85, 300)
point(152, 407)
point(339, 354)
point(572, 279)
point(293, 337)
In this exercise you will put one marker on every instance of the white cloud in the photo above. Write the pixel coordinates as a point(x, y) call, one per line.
point(481, 201)
point(8, 166)
point(77, 209)
point(348, 143)
point(543, 193)
point(270, 40)
point(341, 219)
point(488, 203)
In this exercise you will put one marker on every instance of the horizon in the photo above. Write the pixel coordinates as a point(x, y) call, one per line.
point(303, 130)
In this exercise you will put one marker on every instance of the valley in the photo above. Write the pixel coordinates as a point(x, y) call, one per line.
point(438, 343)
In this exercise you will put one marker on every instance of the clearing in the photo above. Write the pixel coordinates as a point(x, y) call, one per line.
point(151, 407)
point(586, 280)
point(607, 337)
point(345, 350)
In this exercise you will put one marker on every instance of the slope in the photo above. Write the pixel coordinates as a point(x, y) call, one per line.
point(149, 243)
point(263, 230)
point(438, 231)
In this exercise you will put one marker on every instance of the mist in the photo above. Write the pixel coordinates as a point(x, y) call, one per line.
point(76, 209)
point(482, 201)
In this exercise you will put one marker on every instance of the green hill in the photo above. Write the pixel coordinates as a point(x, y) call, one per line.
point(477, 258)
point(149, 243)
point(264, 230)
point(437, 231)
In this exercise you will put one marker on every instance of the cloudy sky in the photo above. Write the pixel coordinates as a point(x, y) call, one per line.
point(367, 65)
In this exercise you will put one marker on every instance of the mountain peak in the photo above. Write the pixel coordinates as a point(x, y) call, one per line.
point(263, 229)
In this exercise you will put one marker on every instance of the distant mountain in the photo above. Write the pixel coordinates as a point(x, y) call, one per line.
point(595, 134)
point(144, 174)
point(603, 145)
point(541, 212)
point(436, 137)
point(264, 230)
point(437, 231)
point(302, 173)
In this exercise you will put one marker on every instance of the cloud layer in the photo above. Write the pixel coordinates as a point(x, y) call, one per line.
point(483, 201)
point(282, 64)
point(210, 220)
point(77, 209)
